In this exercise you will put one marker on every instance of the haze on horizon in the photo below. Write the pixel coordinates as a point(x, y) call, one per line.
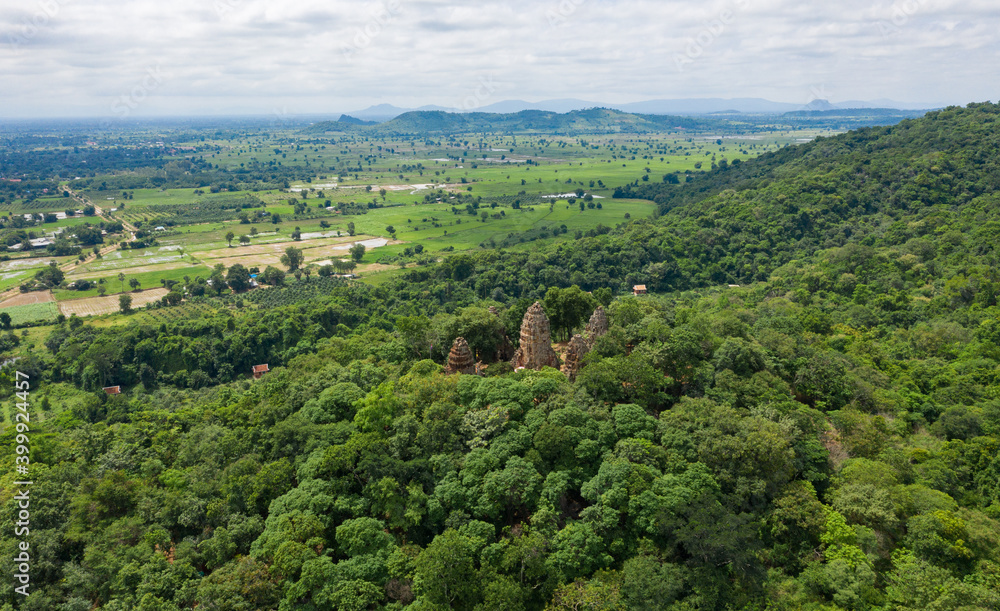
point(116, 58)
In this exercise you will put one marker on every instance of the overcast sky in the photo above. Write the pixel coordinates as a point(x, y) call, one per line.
point(108, 58)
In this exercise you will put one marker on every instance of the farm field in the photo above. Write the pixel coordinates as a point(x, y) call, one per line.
point(408, 199)
point(33, 297)
point(95, 306)
point(32, 312)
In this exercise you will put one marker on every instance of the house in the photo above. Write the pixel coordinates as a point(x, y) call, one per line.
point(639, 289)
point(161, 228)
point(259, 371)
point(40, 242)
point(113, 390)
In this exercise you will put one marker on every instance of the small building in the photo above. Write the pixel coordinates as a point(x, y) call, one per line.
point(639, 289)
point(259, 371)
point(40, 242)
point(113, 390)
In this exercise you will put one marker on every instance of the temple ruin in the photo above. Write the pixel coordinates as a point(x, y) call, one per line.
point(578, 348)
point(460, 359)
point(597, 326)
point(536, 341)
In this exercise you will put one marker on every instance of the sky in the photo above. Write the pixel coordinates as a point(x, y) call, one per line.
point(138, 58)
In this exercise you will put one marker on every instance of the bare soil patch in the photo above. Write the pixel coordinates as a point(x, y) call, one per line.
point(95, 306)
point(28, 299)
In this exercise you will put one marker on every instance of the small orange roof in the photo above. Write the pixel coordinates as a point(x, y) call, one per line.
point(260, 368)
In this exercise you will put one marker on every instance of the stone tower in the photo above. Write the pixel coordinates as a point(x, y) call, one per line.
point(536, 341)
point(578, 348)
point(597, 326)
point(460, 359)
point(505, 349)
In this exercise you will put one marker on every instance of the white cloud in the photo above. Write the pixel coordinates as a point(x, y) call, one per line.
point(70, 57)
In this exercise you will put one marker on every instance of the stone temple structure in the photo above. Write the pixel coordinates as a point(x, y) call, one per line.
point(505, 349)
point(536, 341)
point(460, 359)
point(597, 326)
point(578, 348)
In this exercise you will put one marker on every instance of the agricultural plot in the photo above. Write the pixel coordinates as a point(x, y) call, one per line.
point(147, 277)
point(34, 297)
point(95, 306)
point(190, 309)
point(441, 193)
point(124, 259)
point(31, 312)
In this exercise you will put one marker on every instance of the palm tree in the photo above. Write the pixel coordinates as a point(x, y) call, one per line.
point(121, 278)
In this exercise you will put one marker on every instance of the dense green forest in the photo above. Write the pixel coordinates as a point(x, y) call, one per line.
point(822, 436)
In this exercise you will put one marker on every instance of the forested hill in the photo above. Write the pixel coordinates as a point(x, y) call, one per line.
point(590, 121)
point(915, 163)
point(918, 200)
point(824, 438)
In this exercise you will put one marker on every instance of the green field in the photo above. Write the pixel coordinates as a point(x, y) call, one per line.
point(445, 194)
point(32, 312)
point(147, 280)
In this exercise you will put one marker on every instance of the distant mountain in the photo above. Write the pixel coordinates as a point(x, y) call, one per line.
point(704, 106)
point(815, 113)
point(353, 121)
point(594, 120)
point(819, 105)
point(563, 105)
point(386, 112)
point(683, 107)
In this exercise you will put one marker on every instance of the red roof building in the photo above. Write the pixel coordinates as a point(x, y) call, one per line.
point(259, 371)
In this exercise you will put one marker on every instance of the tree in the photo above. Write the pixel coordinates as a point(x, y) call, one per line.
point(101, 290)
point(350, 228)
point(218, 281)
point(125, 303)
point(134, 283)
point(5, 320)
point(244, 239)
point(273, 276)
point(172, 298)
point(229, 238)
point(238, 278)
point(446, 574)
point(121, 278)
point(567, 308)
point(358, 252)
point(297, 234)
point(292, 258)
point(275, 218)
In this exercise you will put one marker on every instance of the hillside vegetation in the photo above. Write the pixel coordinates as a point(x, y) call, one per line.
point(824, 436)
